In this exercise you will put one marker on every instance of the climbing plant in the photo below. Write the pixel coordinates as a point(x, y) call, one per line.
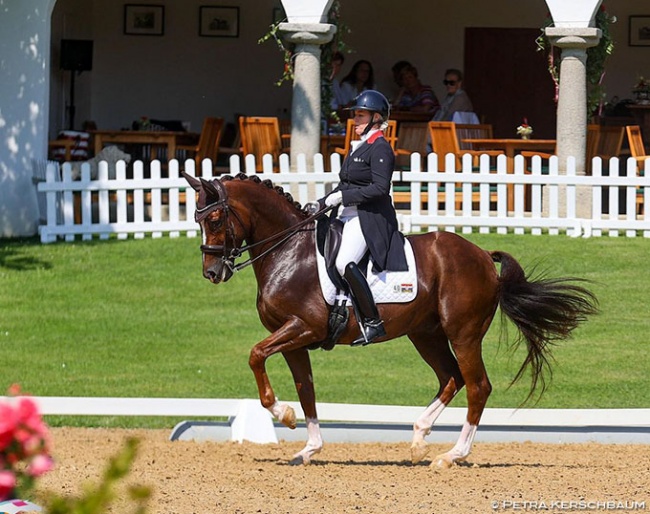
point(337, 44)
point(596, 60)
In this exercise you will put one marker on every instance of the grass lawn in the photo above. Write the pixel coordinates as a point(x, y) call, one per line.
point(135, 318)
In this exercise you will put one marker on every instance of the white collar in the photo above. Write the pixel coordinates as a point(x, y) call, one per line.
point(370, 133)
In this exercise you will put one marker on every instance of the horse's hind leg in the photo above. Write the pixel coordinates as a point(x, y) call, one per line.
point(478, 387)
point(433, 347)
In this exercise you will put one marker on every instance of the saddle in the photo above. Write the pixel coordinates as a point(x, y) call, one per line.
point(386, 287)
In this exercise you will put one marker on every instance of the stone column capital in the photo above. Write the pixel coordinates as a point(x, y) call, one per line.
point(307, 33)
point(573, 37)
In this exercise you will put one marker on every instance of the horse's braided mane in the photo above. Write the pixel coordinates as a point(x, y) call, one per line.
point(266, 183)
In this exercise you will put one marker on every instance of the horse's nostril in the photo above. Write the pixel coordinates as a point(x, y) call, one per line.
point(210, 275)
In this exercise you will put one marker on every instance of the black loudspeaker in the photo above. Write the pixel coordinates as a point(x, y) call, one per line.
point(76, 54)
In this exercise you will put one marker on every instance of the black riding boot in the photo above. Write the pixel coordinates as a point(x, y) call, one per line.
point(372, 327)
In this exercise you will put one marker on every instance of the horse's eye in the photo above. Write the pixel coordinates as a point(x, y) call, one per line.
point(215, 224)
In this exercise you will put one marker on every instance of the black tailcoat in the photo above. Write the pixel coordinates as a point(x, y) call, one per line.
point(365, 182)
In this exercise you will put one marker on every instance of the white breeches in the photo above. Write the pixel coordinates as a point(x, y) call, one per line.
point(353, 244)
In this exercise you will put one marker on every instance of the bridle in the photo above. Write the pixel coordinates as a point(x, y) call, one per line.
point(229, 253)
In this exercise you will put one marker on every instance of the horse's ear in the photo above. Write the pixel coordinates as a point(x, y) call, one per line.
point(193, 182)
point(212, 189)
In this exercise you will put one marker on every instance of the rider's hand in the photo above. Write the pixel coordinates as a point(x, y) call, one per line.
point(312, 207)
point(334, 199)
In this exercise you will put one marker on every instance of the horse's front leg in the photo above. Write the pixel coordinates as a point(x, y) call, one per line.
point(292, 335)
point(300, 366)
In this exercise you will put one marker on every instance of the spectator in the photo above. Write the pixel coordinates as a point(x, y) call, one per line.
point(397, 71)
point(360, 78)
point(456, 99)
point(415, 96)
point(337, 95)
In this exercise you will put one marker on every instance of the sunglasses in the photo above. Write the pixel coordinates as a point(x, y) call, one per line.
point(449, 82)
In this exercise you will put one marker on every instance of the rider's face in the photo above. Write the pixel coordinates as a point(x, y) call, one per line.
point(361, 120)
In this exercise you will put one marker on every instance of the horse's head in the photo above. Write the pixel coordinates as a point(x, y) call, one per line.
point(221, 242)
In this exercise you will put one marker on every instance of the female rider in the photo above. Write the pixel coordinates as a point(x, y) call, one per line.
point(367, 211)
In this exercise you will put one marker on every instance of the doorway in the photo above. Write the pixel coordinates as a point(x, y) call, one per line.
point(508, 80)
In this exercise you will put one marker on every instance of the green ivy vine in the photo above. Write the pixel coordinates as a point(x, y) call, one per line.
point(337, 44)
point(596, 61)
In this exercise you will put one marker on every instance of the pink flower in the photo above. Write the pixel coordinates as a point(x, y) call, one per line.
point(7, 484)
point(40, 465)
point(8, 425)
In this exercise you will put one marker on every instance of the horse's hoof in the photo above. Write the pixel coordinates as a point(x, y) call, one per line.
point(289, 418)
point(419, 451)
point(298, 460)
point(443, 461)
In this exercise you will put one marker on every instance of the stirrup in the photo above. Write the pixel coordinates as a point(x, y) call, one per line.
point(370, 330)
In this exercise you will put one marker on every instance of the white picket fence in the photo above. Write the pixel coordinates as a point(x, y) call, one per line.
point(481, 200)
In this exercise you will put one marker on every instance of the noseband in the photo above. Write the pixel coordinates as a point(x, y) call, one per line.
point(229, 254)
point(227, 257)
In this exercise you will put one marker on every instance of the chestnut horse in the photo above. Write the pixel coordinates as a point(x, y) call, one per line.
point(458, 293)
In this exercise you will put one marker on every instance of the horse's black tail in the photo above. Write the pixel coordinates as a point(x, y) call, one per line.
point(543, 310)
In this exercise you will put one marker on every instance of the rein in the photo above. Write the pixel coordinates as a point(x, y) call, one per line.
point(228, 258)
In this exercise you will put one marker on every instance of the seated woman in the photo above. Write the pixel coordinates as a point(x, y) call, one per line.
point(415, 96)
point(456, 99)
point(360, 79)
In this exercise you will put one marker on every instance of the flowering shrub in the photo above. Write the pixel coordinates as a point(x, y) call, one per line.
point(24, 446)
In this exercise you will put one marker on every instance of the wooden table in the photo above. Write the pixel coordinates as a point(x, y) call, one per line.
point(169, 140)
point(511, 146)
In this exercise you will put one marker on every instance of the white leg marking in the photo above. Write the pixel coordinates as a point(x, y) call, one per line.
point(461, 450)
point(422, 428)
point(314, 442)
point(278, 409)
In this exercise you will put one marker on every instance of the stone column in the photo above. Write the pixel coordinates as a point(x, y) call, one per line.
point(306, 103)
point(572, 101)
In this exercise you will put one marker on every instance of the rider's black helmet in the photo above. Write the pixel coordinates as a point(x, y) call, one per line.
point(374, 101)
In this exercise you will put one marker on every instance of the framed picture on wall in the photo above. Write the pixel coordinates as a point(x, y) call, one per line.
point(218, 21)
point(639, 31)
point(144, 20)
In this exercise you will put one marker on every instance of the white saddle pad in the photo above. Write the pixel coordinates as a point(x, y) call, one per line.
point(386, 286)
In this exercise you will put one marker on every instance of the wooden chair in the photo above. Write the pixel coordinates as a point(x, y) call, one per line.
point(637, 150)
point(444, 140)
point(260, 136)
point(411, 137)
point(285, 135)
point(604, 142)
point(208, 145)
point(350, 135)
point(472, 131)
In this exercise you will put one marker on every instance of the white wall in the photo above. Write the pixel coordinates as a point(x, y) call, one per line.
point(183, 76)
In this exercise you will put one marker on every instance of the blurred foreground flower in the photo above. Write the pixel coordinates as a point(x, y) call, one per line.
point(24, 446)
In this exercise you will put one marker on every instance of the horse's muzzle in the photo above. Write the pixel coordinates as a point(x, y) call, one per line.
point(218, 272)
